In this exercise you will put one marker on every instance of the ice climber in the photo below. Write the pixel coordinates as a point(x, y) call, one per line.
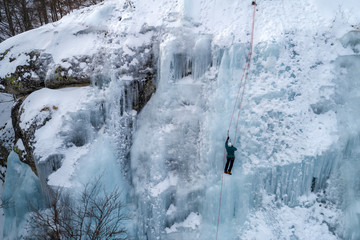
point(230, 157)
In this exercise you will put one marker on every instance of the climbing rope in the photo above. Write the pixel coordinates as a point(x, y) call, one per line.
point(247, 69)
point(243, 78)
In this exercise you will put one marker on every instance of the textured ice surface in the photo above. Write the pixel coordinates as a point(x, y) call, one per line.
point(347, 99)
point(22, 191)
point(287, 133)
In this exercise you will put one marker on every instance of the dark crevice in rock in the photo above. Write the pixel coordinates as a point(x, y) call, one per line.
point(27, 136)
point(144, 92)
point(19, 134)
point(145, 86)
point(4, 153)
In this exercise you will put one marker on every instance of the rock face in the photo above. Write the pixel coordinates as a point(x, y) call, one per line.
point(26, 78)
point(27, 137)
point(76, 52)
point(6, 131)
point(39, 71)
point(138, 81)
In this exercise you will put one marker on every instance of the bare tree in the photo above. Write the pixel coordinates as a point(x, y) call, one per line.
point(6, 203)
point(25, 15)
point(6, 5)
point(41, 9)
point(97, 214)
point(17, 16)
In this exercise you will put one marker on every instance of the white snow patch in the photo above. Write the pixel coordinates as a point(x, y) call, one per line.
point(310, 220)
point(20, 145)
point(6, 102)
point(54, 105)
point(171, 210)
point(64, 175)
point(57, 102)
point(99, 16)
point(349, 10)
point(192, 221)
point(65, 65)
point(171, 180)
point(8, 67)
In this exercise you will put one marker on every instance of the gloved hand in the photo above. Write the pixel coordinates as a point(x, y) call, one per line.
point(227, 138)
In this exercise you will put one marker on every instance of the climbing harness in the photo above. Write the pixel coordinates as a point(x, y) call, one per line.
point(243, 78)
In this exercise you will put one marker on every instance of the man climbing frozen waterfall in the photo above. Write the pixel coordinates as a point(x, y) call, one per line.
point(230, 156)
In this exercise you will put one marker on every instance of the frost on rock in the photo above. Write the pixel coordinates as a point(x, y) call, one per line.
point(352, 40)
point(6, 131)
point(72, 57)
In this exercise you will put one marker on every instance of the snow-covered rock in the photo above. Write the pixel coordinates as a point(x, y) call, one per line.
point(76, 50)
point(6, 131)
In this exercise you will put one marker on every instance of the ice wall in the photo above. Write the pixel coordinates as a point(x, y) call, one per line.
point(277, 123)
point(165, 160)
point(22, 192)
point(347, 99)
point(286, 136)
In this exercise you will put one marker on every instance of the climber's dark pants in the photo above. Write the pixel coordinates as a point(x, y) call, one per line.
point(231, 161)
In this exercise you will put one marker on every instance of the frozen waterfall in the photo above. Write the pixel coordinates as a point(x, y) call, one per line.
point(153, 121)
point(177, 165)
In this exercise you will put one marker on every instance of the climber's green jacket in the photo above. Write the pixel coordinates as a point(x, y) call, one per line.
point(230, 149)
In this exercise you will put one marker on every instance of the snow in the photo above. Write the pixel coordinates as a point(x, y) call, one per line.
point(163, 185)
point(75, 34)
point(311, 220)
point(271, 224)
point(57, 102)
point(63, 116)
point(20, 145)
point(349, 9)
point(193, 221)
point(78, 33)
point(10, 67)
point(6, 103)
point(55, 105)
point(63, 176)
point(171, 210)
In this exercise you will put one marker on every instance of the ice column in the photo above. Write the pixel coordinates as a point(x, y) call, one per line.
point(23, 192)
